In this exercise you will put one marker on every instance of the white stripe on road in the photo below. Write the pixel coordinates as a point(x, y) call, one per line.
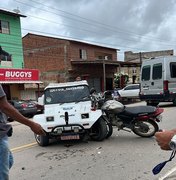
point(168, 173)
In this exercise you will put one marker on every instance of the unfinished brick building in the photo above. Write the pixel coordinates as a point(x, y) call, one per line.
point(62, 60)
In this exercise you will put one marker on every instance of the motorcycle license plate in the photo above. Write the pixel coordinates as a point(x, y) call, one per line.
point(70, 137)
point(159, 117)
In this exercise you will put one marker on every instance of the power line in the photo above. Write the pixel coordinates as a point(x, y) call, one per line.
point(90, 21)
point(81, 40)
point(102, 33)
point(90, 41)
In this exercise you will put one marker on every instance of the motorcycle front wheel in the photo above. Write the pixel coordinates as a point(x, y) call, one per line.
point(145, 128)
point(110, 130)
point(99, 130)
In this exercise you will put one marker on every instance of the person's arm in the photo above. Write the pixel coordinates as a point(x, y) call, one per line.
point(163, 138)
point(10, 111)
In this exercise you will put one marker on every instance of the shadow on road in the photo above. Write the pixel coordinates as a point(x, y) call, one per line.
point(166, 105)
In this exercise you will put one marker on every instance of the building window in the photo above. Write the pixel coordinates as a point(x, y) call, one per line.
point(4, 27)
point(100, 57)
point(103, 56)
point(5, 56)
point(83, 54)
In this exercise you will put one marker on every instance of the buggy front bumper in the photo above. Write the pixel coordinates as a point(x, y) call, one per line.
point(67, 129)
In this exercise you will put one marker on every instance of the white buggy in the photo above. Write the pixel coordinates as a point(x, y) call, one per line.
point(68, 114)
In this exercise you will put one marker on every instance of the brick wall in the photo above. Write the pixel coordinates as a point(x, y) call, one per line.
point(46, 54)
point(52, 56)
point(91, 51)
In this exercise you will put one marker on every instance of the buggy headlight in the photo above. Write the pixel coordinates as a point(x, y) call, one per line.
point(50, 118)
point(85, 116)
point(76, 129)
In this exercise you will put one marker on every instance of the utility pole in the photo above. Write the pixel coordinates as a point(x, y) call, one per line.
point(140, 58)
point(104, 75)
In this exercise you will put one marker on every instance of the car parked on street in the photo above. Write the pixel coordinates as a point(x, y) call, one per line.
point(130, 91)
point(27, 109)
point(40, 108)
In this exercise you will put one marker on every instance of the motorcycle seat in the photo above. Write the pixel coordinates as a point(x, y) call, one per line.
point(136, 111)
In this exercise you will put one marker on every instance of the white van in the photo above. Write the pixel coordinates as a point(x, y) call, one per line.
point(158, 80)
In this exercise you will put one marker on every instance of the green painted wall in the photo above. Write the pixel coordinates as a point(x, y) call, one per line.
point(12, 43)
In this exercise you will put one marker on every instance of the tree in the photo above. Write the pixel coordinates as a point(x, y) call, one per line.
point(120, 80)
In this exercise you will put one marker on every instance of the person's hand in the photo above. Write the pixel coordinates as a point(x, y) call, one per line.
point(37, 129)
point(163, 138)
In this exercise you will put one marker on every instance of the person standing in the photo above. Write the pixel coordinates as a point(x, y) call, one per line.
point(7, 110)
point(78, 78)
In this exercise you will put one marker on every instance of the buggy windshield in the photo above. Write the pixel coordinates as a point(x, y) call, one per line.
point(67, 94)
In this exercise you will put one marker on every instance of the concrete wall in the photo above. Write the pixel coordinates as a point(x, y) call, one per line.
point(135, 57)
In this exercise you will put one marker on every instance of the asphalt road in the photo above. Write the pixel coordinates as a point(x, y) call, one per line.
point(124, 156)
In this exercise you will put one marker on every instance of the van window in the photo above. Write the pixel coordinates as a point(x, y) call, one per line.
point(157, 71)
point(146, 73)
point(173, 69)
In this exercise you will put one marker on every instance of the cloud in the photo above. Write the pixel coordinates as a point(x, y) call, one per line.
point(129, 25)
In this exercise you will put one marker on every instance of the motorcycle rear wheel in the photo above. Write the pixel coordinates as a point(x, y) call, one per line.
point(145, 128)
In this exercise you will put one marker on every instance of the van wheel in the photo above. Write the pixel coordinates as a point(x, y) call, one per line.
point(99, 130)
point(152, 103)
point(129, 99)
point(42, 140)
point(174, 102)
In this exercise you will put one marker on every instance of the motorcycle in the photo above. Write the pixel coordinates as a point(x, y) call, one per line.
point(141, 120)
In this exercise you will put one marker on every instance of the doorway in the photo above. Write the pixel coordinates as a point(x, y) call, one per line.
point(109, 84)
point(6, 88)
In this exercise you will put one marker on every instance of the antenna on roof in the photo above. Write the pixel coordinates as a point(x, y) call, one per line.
point(17, 10)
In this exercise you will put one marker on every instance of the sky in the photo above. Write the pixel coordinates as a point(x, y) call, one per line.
point(127, 25)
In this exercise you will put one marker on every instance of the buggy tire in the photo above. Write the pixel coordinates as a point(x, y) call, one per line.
point(42, 140)
point(99, 130)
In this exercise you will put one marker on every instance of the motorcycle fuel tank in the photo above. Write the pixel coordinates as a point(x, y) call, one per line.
point(113, 106)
